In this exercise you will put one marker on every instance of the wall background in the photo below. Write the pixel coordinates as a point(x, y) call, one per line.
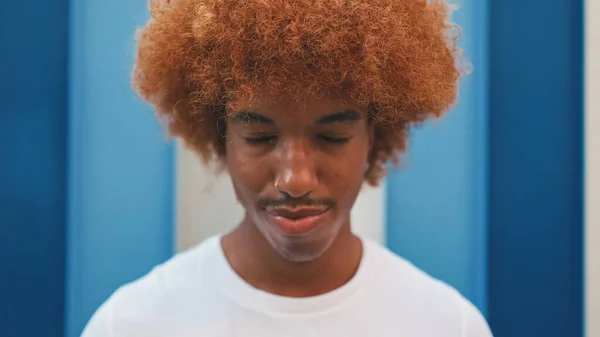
point(592, 176)
point(490, 199)
point(33, 140)
point(536, 165)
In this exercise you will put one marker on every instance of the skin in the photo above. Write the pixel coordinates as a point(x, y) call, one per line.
point(289, 157)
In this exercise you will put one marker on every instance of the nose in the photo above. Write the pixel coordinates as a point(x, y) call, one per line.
point(296, 173)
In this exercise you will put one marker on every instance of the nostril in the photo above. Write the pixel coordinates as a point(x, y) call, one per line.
point(297, 184)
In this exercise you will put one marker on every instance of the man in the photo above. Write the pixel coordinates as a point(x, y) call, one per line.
point(302, 102)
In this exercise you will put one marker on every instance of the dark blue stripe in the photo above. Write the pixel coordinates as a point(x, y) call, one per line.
point(536, 168)
point(33, 119)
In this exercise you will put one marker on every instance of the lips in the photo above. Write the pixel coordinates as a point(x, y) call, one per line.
point(297, 221)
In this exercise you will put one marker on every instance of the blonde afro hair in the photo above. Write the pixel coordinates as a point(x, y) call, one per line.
point(198, 60)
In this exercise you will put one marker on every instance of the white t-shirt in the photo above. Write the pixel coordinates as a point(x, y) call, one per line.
point(198, 294)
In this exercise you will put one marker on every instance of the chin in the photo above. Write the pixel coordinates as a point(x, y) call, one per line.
point(300, 248)
point(301, 254)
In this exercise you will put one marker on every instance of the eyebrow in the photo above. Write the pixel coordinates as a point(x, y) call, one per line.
point(349, 115)
point(246, 117)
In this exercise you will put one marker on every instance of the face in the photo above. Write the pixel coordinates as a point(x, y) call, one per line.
point(298, 170)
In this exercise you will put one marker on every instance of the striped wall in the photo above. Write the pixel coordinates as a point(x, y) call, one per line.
point(592, 176)
point(499, 198)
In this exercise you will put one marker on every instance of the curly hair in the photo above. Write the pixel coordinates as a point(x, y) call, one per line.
point(198, 60)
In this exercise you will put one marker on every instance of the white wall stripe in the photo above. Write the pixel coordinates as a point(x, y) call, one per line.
point(206, 204)
point(592, 176)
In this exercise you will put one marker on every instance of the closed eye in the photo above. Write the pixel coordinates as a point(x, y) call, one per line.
point(260, 140)
point(334, 140)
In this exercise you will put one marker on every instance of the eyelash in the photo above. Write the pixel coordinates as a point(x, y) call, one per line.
point(260, 140)
point(335, 140)
point(270, 139)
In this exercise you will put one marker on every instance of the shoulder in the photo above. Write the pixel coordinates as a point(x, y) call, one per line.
point(427, 300)
point(473, 323)
point(142, 300)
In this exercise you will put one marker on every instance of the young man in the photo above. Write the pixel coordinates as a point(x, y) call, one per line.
point(302, 102)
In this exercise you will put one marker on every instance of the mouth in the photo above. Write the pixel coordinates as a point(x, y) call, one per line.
point(297, 222)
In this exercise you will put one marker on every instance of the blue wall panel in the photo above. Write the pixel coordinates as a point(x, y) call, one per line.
point(33, 116)
point(437, 202)
point(536, 168)
point(120, 166)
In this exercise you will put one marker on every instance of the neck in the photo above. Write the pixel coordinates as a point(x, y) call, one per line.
point(259, 264)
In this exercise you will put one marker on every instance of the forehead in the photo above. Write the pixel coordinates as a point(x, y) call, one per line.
point(308, 111)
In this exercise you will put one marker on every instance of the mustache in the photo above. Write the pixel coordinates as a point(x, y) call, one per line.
point(295, 202)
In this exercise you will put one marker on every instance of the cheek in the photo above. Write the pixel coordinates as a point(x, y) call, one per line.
point(346, 174)
point(247, 177)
